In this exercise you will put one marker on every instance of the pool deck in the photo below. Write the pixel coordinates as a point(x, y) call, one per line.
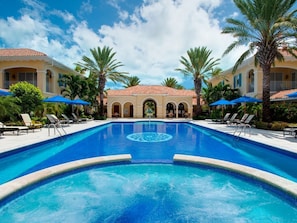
point(10, 141)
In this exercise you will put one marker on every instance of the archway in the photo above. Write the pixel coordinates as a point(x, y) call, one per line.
point(128, 110)
point(17, 74)
point(182, 110)
point(170, 110)
point(116, 110)
point(149, 108)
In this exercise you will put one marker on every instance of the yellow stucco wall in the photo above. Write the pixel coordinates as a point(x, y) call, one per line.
point(138, 101)
point(38, 66)
point(287, 67)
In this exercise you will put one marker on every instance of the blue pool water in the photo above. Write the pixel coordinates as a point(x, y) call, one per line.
point(141, 141)
point(148, 193)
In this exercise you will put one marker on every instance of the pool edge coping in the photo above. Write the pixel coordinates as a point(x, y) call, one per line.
point(277, 182)
point(11, 187)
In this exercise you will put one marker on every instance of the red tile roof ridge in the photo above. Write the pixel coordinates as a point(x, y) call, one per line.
point(10, 52)
point(151, 89)
point(282, 94)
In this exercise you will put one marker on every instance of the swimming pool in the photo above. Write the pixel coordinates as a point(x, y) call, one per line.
point(140, 140)
point(148, 193)
point(150, 143)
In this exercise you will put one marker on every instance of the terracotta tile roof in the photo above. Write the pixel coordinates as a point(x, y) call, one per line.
point(20, 52)
point(151, 90)
point(282, 94)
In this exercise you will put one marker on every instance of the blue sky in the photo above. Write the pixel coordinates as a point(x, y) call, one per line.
point(148, 36)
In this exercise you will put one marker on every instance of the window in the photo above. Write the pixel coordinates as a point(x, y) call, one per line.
point(29, 77)
point(60, 81)
point(251, 81)
point(6, 80)
point(276, 81)
point(294, 80)
point(49, 81)
point(237, 81)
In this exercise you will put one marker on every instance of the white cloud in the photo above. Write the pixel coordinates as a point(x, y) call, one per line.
point(160, 32)
point(149, 42)
point(86, 7)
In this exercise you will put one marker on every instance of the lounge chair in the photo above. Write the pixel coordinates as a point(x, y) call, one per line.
point(77, 119)
point(240, 121)
point(290, 131)
point(223, 120)
point(14, 128)
point(29, 123)
point(245, 124)
point(231, 120)
point(66, 120)
point(2, 130)
point(55, 123)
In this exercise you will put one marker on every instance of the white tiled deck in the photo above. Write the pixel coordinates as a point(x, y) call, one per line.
point(272, 138)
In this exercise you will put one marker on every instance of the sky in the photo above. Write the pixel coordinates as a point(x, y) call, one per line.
point(148, 36)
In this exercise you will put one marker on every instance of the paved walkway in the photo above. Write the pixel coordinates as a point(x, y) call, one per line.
point(272, 138)
point(10, 141)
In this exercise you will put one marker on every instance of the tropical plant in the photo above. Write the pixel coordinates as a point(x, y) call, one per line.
point(171, 82)
point(92, 82)
point(29, 97)
point(211, 94)
point(9, 108)
point(200, 66)
point(75, 85)
point(131, 81)
point(269, 29)
point(104, 66)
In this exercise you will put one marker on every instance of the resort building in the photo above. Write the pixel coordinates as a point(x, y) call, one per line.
point(32, 66)
point(249, 78)
point(150, 101)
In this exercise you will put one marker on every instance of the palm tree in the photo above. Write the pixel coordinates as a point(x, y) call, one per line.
point(73, 85)
point(131, 81)
point(171, 82)
point(200, 66)
point(268, 29)
point(104, 66)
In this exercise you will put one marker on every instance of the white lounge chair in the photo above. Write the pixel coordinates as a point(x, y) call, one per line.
point(29, 123)
point(14, 128)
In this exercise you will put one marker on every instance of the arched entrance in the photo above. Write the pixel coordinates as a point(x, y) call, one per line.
point(116, 110)
point(183, 110)
point(170, 110)
point(128, 110)
point(149, 108)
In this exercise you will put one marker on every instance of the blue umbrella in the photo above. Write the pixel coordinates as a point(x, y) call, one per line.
point(292, 95)
point(222, 102)
point(5, 93)
point(246, 99)
point(80, 102)
point(58, 99)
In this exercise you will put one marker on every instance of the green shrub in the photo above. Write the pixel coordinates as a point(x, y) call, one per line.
point(275, 126)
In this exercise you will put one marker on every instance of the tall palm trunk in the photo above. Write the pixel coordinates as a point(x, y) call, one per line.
point(198, 85)
point(101, 86)
point(266, 117)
